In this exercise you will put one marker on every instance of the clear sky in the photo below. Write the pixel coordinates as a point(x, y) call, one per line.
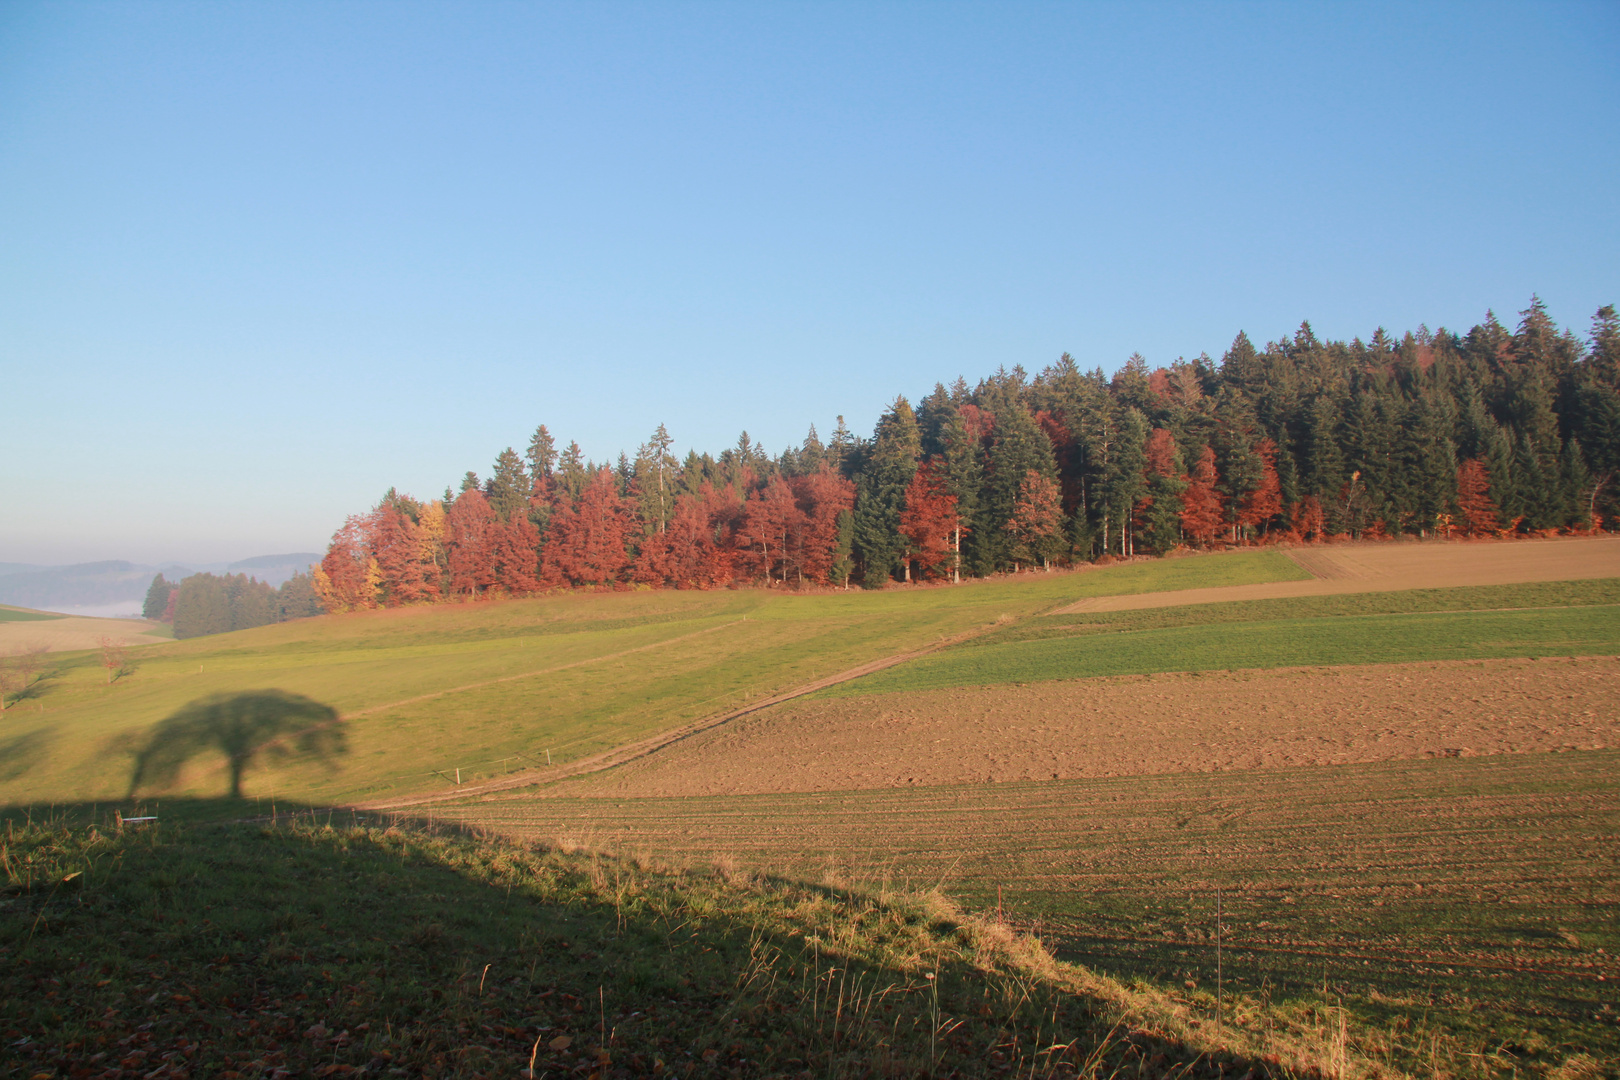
point(259, 262)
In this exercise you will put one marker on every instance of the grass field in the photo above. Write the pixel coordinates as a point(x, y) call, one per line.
point(1455, 907)
point(11, 614)
point(491, 688)
point(1191, 639)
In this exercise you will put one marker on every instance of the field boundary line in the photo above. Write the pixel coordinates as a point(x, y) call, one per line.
point(541, 671)
point(621, 755)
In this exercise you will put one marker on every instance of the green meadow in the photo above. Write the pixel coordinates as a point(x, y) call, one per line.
point(1198, 641)
point(493, 688)
point(11, 614)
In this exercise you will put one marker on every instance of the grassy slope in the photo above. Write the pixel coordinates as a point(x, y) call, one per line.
point(265, 950)
point(1456, 907)
point(430, 690)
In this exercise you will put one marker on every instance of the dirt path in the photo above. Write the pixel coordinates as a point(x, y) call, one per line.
point(1388, 567)
point(1131, 725)
point(621, 755)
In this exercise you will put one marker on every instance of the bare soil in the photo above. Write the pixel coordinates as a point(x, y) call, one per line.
point(1391, 566)
point(73, 632)
point(1139, 724)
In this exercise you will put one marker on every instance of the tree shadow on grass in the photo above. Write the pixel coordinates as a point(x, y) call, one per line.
point(18, 753)
point(378, 944)
point(258, 725)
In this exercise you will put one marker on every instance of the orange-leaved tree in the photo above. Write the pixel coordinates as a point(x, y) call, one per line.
point(343, 578)
point(930, 523)
point(823, 495)
point(1474, 499)
point(1036, 525)
point(1264, 503)
point(1200, 505)
point(468, 525)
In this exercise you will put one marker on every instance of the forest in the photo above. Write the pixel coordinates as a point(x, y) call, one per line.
point(212, 604)
point(1493, 432)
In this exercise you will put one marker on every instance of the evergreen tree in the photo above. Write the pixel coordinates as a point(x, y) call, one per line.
point(655, 472)
point(880, 494)
point(157, 598)
point(296, 599)
point(1125, 482)
point(571, 475)
point(1017, 447)
point(508, 490)
point(542, 455)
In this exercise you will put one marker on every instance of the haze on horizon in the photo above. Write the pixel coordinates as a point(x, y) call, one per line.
point(260, 263)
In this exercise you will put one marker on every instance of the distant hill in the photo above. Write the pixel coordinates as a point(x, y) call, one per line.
point(83, 585)
point(274, 569)
point(116, 587)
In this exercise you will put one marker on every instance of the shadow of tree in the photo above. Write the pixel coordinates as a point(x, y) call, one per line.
point(562, 963)
point(20, 751)
point(258, 725)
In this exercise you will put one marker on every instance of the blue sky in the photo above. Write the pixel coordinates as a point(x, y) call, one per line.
point(259, 262)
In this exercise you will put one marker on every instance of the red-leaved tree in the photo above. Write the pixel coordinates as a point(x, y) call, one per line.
point(469, 525)
point(822, 495)
point(1200, 503)
point(1474, 499)
point(341, 579)
point(1264, 503)
point(396, 544)
point(771, 538)
point(587, 541)
point(1036, 525)
point(514, 551)
point(930, 523)
point(1309, 520)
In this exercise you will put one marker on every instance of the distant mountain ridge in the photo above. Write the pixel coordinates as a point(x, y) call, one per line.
point(115, 583)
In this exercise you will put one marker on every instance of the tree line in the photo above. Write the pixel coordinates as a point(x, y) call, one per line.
point(213, 604)
point(1433, 434)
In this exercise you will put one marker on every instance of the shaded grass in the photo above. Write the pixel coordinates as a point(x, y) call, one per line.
point(302, 947)
point(489, 688)
point(1460, 909)
point(1191, 646)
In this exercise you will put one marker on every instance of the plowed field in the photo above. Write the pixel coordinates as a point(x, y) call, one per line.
point(1484, 889)
point(1143, 724)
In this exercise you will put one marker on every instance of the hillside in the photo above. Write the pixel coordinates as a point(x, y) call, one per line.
point(1402, 794)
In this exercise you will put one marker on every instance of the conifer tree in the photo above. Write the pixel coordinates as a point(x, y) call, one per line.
point(881, 492)
point(508, 489)
point(157, 598)
point(1159, 512)
point(655, 472)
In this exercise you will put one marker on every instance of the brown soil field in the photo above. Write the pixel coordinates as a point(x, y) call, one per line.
point(1387, 567)
point(1480, 890)
point(1139, 724)
point(73, 632)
